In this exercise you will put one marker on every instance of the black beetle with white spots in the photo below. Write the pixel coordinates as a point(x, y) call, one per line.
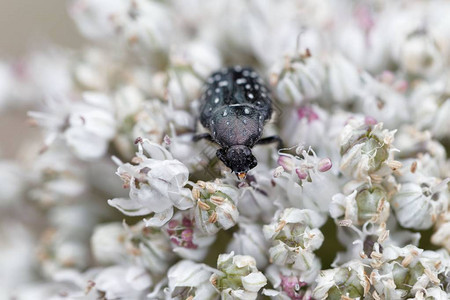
point(235, 106)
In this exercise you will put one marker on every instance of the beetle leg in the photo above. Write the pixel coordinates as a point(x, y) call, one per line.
point(202, 136)
point(271, 139)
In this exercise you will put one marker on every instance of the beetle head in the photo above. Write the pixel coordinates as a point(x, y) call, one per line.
point(239, 159)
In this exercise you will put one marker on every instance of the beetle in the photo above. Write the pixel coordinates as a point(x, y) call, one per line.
point(235, 105)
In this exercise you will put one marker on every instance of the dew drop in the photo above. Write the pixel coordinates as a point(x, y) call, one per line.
point(225, 113)
point(246, 111)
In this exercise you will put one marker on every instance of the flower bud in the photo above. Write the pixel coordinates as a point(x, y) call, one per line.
point(418, 204)
point(188, 280)
point(298, 80)
point(348, 280)
point(366, 203)
point(366, 150)
point(294, 237)
point(238, 277)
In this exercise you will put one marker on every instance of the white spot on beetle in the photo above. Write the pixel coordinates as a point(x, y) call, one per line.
point(228, 122)
point(263, 95)
point(210, 80)
point(216, 100)
point(212, 122)
point(256, 86)
point(250, 95)
point(210, 109)
point(225, 113)
point(258, 102)
point(217, 77)
point(246, 73)
point(247, 86)
point(223, 83)
point(241, 81)
point(253, 74)
point(217, 90)
point(238, 68)
point(246, 111)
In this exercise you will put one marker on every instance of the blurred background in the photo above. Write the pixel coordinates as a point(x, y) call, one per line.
point(26, 25)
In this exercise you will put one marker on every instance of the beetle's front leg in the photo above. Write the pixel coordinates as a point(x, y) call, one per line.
point(271, 139)
point(202, 136)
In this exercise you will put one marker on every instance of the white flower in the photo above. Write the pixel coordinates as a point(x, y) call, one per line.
point(348, 280)
point(58, 249)
point(107, 243)
point(256, 199)
point(307, 179)
point(418, 204)
point(365, 203)
point(17, 255)
point(249, 240)
point(287, 284)
point(145, 23)
point(366, 150)
point(215, 207)
point(419, 54)
point(298, 80)
point(188, 241)
point(189, 279)
point(294, 236)
point(57, 177)
point(430, 106)
point(382, 102)
point(12, 183)
point(306, 125)
point(128, 282)
point(343, 79)
point(156, 185)
point(408, 272)
point(441, 236)
point(86, 127)
point(237, 277)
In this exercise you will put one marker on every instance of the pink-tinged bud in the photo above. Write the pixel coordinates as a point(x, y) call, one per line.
point(387, 77)
point(301, 174)
point(187, 235)
point(370, 121)
point(325, 164)
point(292, 287)
point(364, 17)
point(286, 162)
point(175, 240)
point(308, 113)
point(401, 86)
point(187, 222)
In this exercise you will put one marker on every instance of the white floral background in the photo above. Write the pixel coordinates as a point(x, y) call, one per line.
point(106, 196)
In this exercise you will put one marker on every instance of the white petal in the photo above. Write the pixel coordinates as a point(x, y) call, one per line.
point(159, 219)
point(129, 207)
point(254, 282)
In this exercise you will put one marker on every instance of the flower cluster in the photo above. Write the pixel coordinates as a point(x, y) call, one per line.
point(113, 198)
